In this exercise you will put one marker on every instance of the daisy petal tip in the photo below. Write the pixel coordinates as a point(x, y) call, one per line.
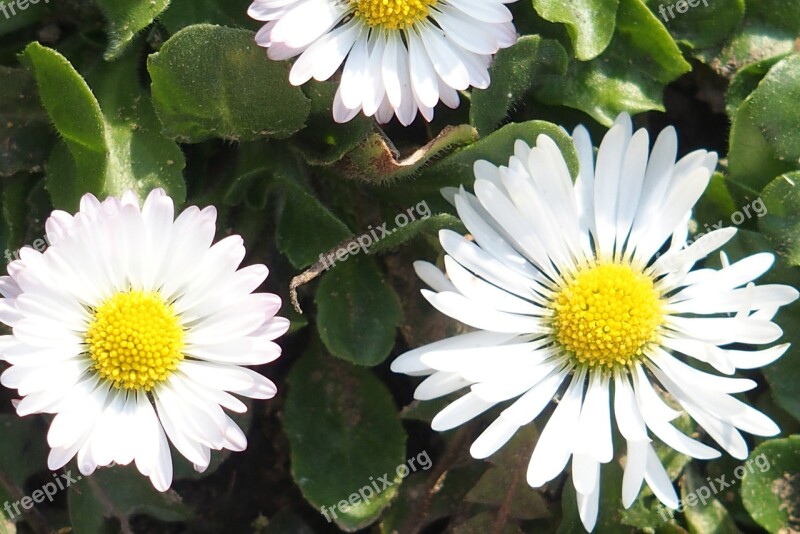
point(160, 483)
point(200, 468)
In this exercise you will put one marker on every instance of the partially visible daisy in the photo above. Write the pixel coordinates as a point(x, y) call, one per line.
point(133, 328)
point(591, 284)
point(399, 56)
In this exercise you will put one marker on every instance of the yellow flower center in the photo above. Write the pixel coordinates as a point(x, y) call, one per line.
point(392, 14)
point(135, 340)
point(607, 315)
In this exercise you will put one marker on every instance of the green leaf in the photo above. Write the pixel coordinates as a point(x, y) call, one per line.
point(210, 81)
point(438, 495)
point(774, 111)
point(707, 24)
point(23, 18)
point(764, 140)
point(18, 216)
point(23, 450)
point(485, 522)
point(770, 28)
point(715, 207)
point(183, 13)
point(119, 493)
point(307, 229)
point(261, 166)
point(745, 81)
point(514, 71)
point(771, 492)
point(104, 151)
point(648, 513)
point(630, 75)
point(590, 23)
point(730, 497)
point(140, 157)
point(286, 522)
point(357, 311)
point(752, 163)
point(72, 108)
point(781, 224)
point(25, 135)
point(344, 434)
point(704, 513)
point(126, 19)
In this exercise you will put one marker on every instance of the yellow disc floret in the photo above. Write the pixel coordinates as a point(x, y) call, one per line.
point(135, 340)
point(392, 14)
point(607, 315)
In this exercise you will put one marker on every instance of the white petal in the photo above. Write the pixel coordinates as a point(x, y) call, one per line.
point(323, 58)
point(470, 313)
point(438, 385)
point(484, 11)
point(411, 361)
point(422, 74)
point(551, 455)
point(594, 428)
point(722, 330)
point(531, 404)
point(606, 187)
point(633, 476)
point(433, 277)
point(585, 473)
point(153, 456)
point(459, 412)
point(629, 419)
point(588, 505)
point(685, 374)
point(495, 436)
point(304, 24)
point(658, 480)
point(445, 61)
point(484, 293)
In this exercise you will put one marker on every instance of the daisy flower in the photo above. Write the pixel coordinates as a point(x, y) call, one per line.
point(399, 56)
point(575, 287)
point(133, 328)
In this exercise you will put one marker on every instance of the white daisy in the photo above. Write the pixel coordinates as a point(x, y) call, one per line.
point(399, 56)
point(566, 287)
point(132, 325)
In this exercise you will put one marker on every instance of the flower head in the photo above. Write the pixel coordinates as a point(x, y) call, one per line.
point(591, 284)
point(400, 56)
point(133, 328)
